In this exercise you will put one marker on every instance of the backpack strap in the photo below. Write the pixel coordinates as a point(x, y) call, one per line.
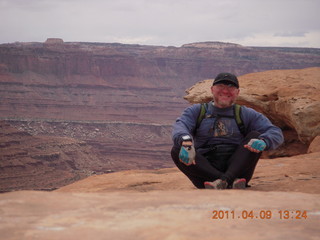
point(237, 115)
point(202, 114)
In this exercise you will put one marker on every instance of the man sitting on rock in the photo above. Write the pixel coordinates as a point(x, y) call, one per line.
point(217, 145)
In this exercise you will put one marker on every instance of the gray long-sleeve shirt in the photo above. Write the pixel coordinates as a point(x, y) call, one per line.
point(223, 130)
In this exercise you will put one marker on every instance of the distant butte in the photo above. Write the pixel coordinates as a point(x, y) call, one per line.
point(54, 41)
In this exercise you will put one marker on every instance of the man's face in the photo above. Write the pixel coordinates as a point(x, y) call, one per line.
point(224, 95)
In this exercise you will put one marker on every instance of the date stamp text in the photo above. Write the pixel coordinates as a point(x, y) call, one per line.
point(260, 214)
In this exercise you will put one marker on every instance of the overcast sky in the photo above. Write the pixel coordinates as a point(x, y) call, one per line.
point(290, 23)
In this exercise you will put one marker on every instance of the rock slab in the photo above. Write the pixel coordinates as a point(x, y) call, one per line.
point(159, 215)
point(163, 204)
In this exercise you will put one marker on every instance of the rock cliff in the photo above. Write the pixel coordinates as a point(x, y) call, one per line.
point(32, 158)
point(121, 100)
point(42, 163)
point(101, 81)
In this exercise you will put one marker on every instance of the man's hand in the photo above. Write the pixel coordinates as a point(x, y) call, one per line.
point(256, 145)
point(187, 153)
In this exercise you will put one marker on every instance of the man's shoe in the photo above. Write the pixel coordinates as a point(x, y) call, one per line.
point(217, 184)
point(239, 183)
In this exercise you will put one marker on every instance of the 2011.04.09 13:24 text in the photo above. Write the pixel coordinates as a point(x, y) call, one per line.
point(259, 214)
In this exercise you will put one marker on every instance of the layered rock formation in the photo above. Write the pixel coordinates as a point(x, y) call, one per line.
point(34, 158)
point(96, 81)
point(42, 163)
point(119, 100)
point(290, 98)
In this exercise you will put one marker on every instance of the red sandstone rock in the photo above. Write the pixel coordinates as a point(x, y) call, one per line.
point(291, 174)
point(100, 81)
point(163, 205)
point(32, 157)
point(41, 163)
point(315, 145)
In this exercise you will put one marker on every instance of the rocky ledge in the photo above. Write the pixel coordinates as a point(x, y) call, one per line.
point(283, 202)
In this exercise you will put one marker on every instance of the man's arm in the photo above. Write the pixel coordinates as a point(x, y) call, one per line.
point(185, 124)
point(182, 134)
point(271, 135)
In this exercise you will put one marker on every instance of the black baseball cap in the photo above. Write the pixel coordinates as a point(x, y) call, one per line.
point(226, 78)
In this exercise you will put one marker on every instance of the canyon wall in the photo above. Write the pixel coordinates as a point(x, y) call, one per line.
point(119, 100)
point(96, 81)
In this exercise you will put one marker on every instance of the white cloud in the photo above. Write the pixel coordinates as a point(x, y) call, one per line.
point(272, 40)
point(290, 34)
point(130, 40)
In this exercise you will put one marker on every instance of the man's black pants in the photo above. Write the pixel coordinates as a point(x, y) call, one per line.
point(240, 164)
